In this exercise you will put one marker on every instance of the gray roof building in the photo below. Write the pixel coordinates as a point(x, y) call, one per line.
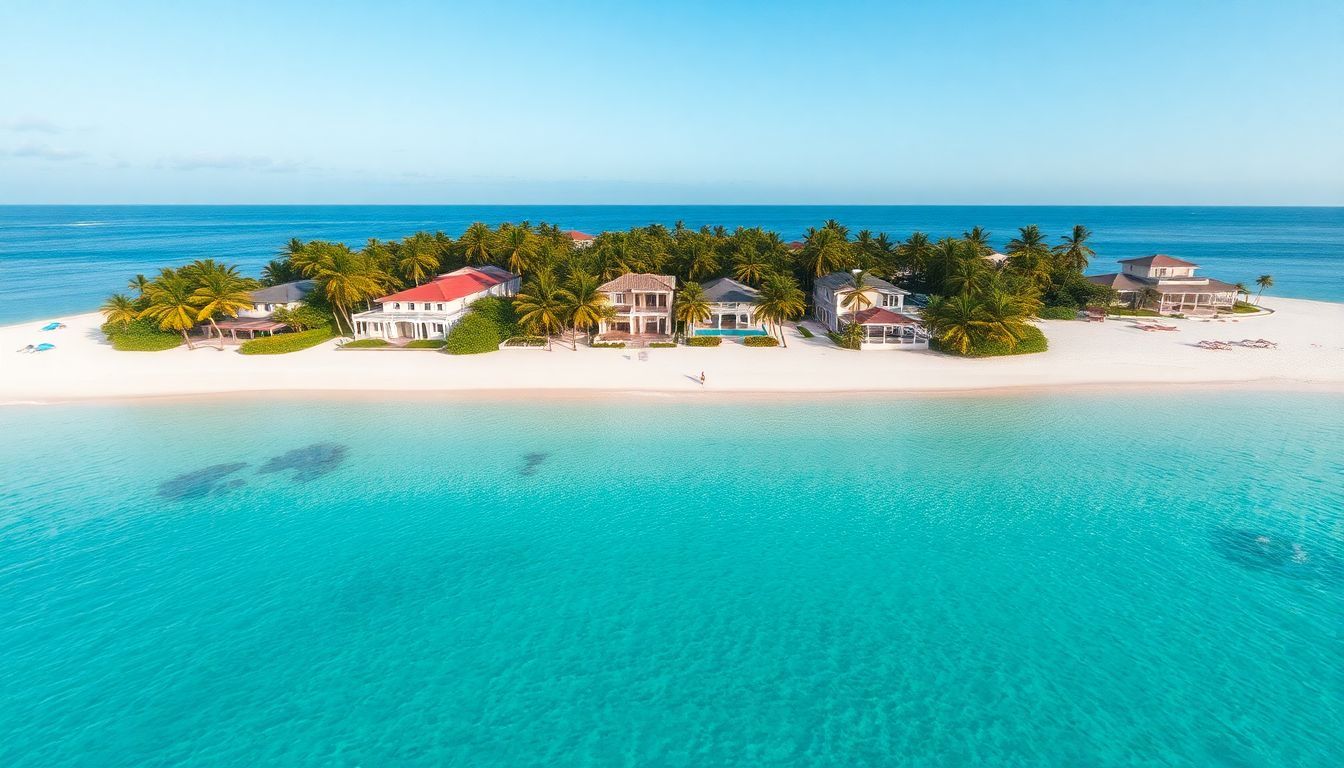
point(726, 290)
point(841, 280)
point(283, 293)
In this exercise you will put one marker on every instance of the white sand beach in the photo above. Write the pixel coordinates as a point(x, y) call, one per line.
point(82, 366)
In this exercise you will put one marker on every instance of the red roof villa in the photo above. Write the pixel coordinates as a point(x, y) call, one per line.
point(581, 239)
point(1178, 289)
point(429, 310)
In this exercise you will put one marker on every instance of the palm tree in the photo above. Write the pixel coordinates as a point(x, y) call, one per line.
point(119, 308)
point(347, 278)
point(691, 306)
point(587, 306)
point(1029, 254)
point(476, 243)
point(278, 271)
point(968, 275)
point(542, 304)
point(1073, 252)
point(750, 266)
point(914, 252)
point(856, 300)
point(701, 258)
point(1243, 291)
point(780, 300)
point(1264, 281)
point(825, 250)
point(518, 246)
point(979, 238)
point(955, 322)
point(171, 304)
point(1002, 316)
point(219, 293)
point(417, 257)
point(1145, 296)
point(138, 284)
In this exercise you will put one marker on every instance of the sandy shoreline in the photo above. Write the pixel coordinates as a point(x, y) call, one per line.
point(1082, 357)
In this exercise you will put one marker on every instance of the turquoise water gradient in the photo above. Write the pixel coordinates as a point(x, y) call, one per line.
point(1004, 581)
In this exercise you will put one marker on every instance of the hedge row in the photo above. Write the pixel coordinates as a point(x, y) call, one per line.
point(284, 343)
point(760, 341)
point(141, 336)
point(704, 341)
point(1059, 313)
point(1032, 341)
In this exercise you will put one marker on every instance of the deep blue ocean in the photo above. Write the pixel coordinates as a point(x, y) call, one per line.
point(1088, 580)
point(64, 259)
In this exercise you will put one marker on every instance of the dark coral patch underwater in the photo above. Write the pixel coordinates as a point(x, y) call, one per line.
point(202, 482)
point(307, 463)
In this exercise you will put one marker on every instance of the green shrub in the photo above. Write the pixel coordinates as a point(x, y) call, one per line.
point(304, 318)
point(804, 331)
point(851, 337)
point(663, 344)
point(1059, 313)
point(608, 345)
point(426, 344)
point(500, 312)
point(365, 344)
point(1032, 341)
point(525, 341)
point(1127, 312)
point(704, 341)
point(760, 341)
point(1242, 308)
point(475, 333)
point(283, 343)
point(141, 336)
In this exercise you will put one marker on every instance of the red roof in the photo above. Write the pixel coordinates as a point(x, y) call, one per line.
point(795, 245)
point(454, 285)
point(575, 234)
point(1159, 260)
point(880, 316)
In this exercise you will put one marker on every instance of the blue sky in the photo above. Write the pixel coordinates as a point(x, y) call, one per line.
point(685, 102)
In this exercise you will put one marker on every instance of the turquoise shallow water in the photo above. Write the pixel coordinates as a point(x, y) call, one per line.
point(1001, 581)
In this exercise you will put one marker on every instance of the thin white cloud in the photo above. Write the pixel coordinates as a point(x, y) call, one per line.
point(30, 125)
point(209, 162)
point(45, 152)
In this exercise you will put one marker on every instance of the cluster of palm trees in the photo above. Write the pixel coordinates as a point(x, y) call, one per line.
point(177, 300)
point(778, 301)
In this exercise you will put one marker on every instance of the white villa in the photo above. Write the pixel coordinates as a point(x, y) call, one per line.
point(1179, 290)
point(429, 310)
point(283, 296)
point(886, 325)
point(731, 305)
point(643, 304)
point(580, 239)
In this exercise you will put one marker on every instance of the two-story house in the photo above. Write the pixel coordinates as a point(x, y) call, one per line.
point(643, 307)
point(1178, 289)
point(429, 310)
point(881, 313)
point(732, 306)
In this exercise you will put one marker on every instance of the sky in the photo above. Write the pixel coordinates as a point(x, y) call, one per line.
point(1162, 103)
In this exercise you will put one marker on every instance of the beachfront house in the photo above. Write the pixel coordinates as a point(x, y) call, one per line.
point(642, 305)
point(429, 310)
point(283, 296)
point(732, 305)
point(882, 313)
point(580, 239)
point(1178, 289)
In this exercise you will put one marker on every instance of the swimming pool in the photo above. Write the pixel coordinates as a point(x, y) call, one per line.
point(729, 332)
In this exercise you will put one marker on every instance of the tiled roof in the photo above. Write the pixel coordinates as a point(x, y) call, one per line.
point(1159, 260)
point(283, 293)
point(458, 284)
point(728, 290)
point(880, 316)
point(1119, 281)
point(841, 280)
point(575, 234)
point(640, 281)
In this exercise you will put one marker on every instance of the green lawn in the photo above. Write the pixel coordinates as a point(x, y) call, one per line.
point(1127, 312)
point(1242, 308)
point(284, 343)
point(366, 344)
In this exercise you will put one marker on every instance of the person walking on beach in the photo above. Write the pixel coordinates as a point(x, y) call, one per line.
point(702, 378)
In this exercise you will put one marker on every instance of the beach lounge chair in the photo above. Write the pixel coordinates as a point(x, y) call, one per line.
point(52, 326)
point(1157, 327)
point(643, 356)
point(27, 349)
point(43, 347)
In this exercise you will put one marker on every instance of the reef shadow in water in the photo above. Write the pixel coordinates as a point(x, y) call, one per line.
point(1263, 551)
point(532, 462)
point(307, 463)
point(202, 482)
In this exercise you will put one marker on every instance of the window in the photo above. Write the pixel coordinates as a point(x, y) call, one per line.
point(396, 305)
point(890, 300)
point(440, 307)
point(269, 307)
point(618, 298)
point(411, 305)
